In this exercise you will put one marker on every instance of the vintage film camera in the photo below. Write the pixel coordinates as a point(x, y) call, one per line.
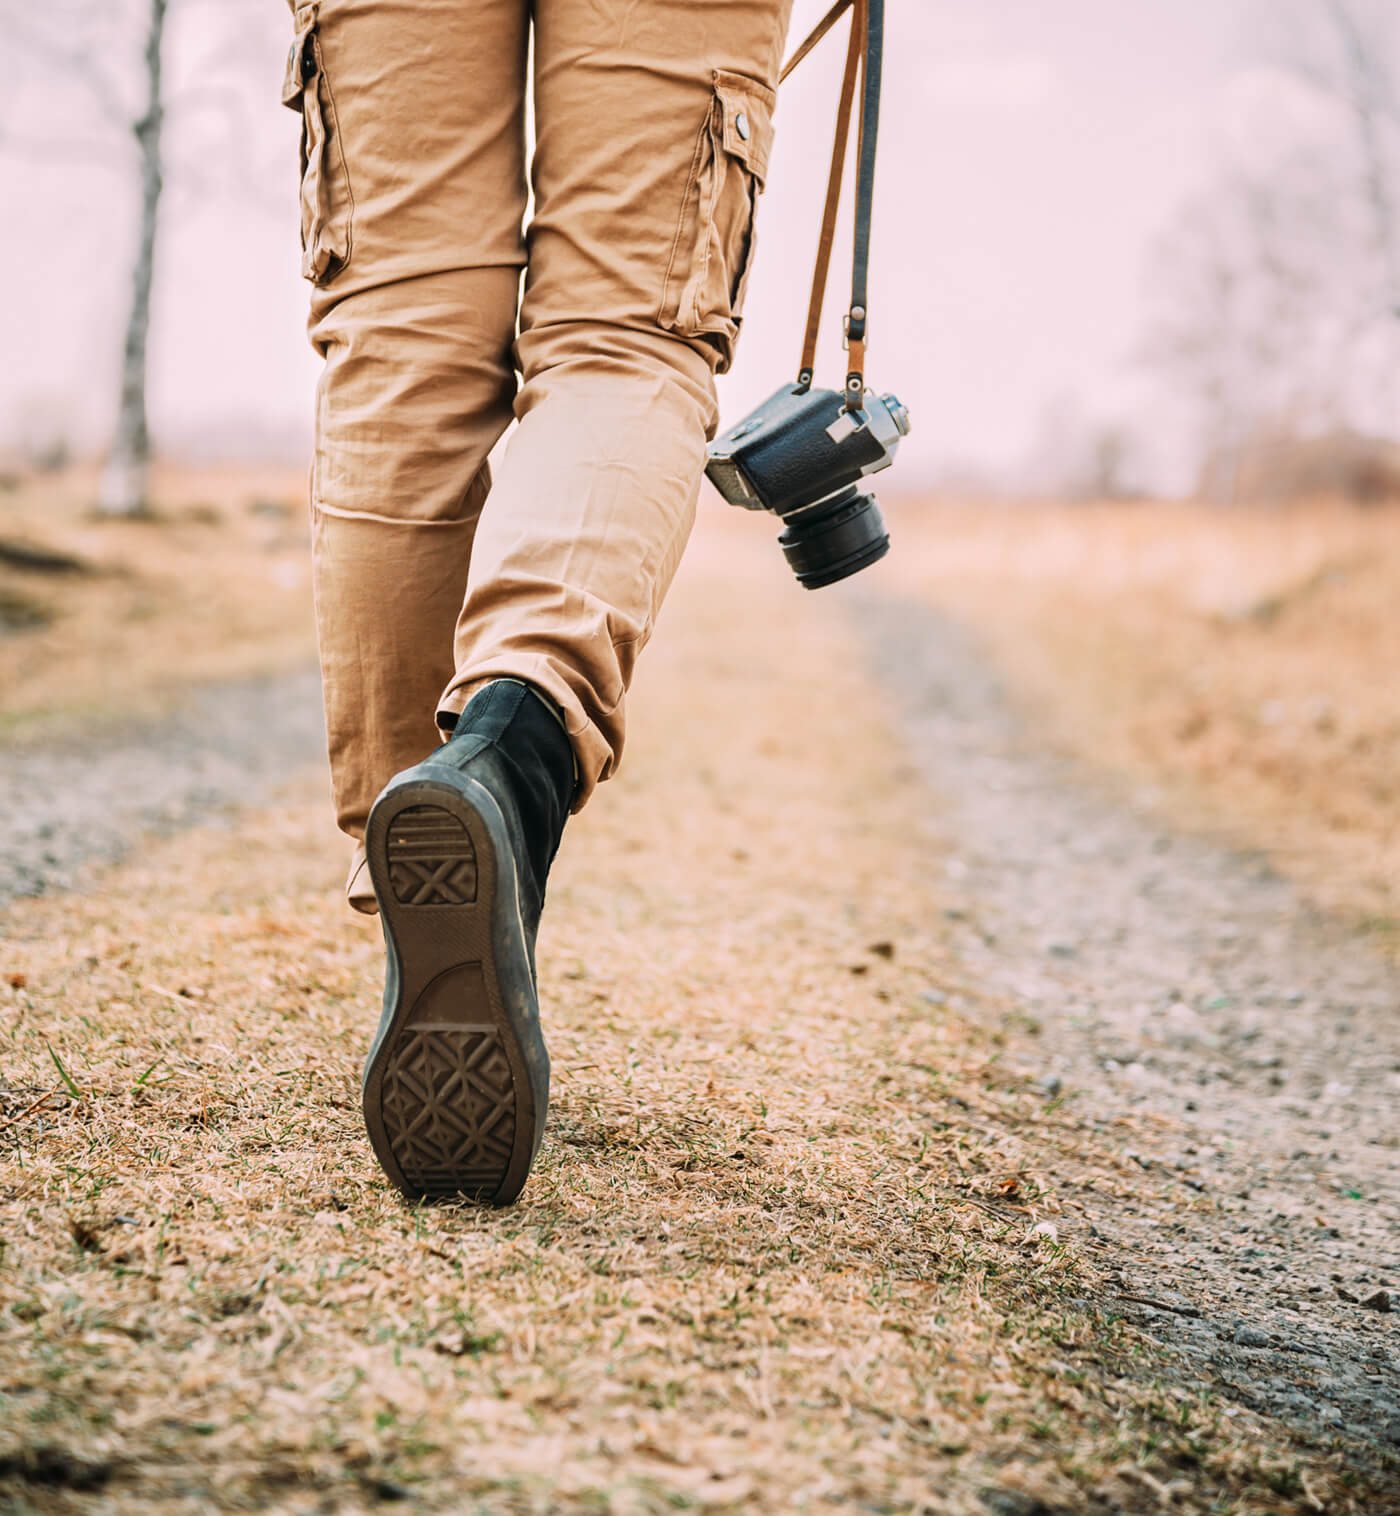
point(801, 455)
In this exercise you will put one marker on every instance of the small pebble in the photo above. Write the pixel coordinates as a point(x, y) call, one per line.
point(1380, 1301)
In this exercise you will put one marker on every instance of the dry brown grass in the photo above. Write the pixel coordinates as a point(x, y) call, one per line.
point(215, 587)
point(1240, 662)
point(778, 1253)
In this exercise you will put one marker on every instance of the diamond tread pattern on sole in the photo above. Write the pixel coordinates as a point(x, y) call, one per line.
point(448, 1095)
point(449, 1107)
point(431, 858)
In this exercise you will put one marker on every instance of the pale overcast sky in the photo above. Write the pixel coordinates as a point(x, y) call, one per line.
point(1031, 152)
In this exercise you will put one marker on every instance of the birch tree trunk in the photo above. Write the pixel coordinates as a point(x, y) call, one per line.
point(123, 489)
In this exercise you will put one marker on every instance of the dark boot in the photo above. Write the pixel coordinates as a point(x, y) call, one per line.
point(456, 1085)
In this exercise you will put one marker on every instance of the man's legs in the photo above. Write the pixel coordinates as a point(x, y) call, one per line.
point(412, 202)
point(654, 123)
point(655, 126)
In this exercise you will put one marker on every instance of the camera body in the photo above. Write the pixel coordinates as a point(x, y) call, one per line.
point(801, 455)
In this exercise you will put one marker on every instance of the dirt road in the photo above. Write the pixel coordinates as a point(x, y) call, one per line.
point(113, 781)
point(1242, 1050)
point(932, 1132)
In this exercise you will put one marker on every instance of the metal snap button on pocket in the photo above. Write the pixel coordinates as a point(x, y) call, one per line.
point(741, 125)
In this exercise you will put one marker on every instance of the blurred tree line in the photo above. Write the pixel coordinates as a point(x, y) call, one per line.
point(1277, 288)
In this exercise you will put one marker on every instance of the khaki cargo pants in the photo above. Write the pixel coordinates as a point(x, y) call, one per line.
point(653, 127)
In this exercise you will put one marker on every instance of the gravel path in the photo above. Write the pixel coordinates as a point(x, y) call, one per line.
point(93, 797)
point(1246, 1049)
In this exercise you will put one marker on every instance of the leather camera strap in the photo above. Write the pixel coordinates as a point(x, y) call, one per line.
point(863, 60)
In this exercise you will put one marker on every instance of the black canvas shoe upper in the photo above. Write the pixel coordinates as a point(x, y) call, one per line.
point(514, 742)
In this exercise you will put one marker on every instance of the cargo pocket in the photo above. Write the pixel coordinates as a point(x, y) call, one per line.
point(708, 272)
point(326, 202)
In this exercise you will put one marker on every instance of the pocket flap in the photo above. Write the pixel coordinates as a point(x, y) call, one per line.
point(747, 108)
point(300, 67)
point(292, 81)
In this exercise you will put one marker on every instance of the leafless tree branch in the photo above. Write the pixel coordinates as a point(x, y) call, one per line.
point(1369, 98)
point(75, 63)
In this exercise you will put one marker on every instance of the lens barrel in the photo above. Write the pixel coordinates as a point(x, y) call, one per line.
point(835, 539)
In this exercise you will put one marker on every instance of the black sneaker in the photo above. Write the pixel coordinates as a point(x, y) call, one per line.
point(456, 1085)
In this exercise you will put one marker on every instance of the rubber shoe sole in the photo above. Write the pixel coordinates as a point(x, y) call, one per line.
point(450, 1103)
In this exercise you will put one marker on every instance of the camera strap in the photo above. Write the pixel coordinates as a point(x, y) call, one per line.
point(863, 59)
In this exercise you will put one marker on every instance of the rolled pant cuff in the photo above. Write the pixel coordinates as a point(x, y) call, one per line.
point(595, 755)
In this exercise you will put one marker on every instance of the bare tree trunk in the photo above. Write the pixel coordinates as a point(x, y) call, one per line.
point(123, 490)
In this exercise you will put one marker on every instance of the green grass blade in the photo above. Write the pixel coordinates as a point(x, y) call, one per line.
point(63, 1074)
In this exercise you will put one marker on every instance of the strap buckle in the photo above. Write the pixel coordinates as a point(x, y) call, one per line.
point(853, 326)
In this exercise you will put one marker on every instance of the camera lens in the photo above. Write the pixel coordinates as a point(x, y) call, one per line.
point(835, 539)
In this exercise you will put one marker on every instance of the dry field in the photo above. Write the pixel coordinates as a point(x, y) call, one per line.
point(795, 1241)
point(1238, 666)
point(215, 587)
